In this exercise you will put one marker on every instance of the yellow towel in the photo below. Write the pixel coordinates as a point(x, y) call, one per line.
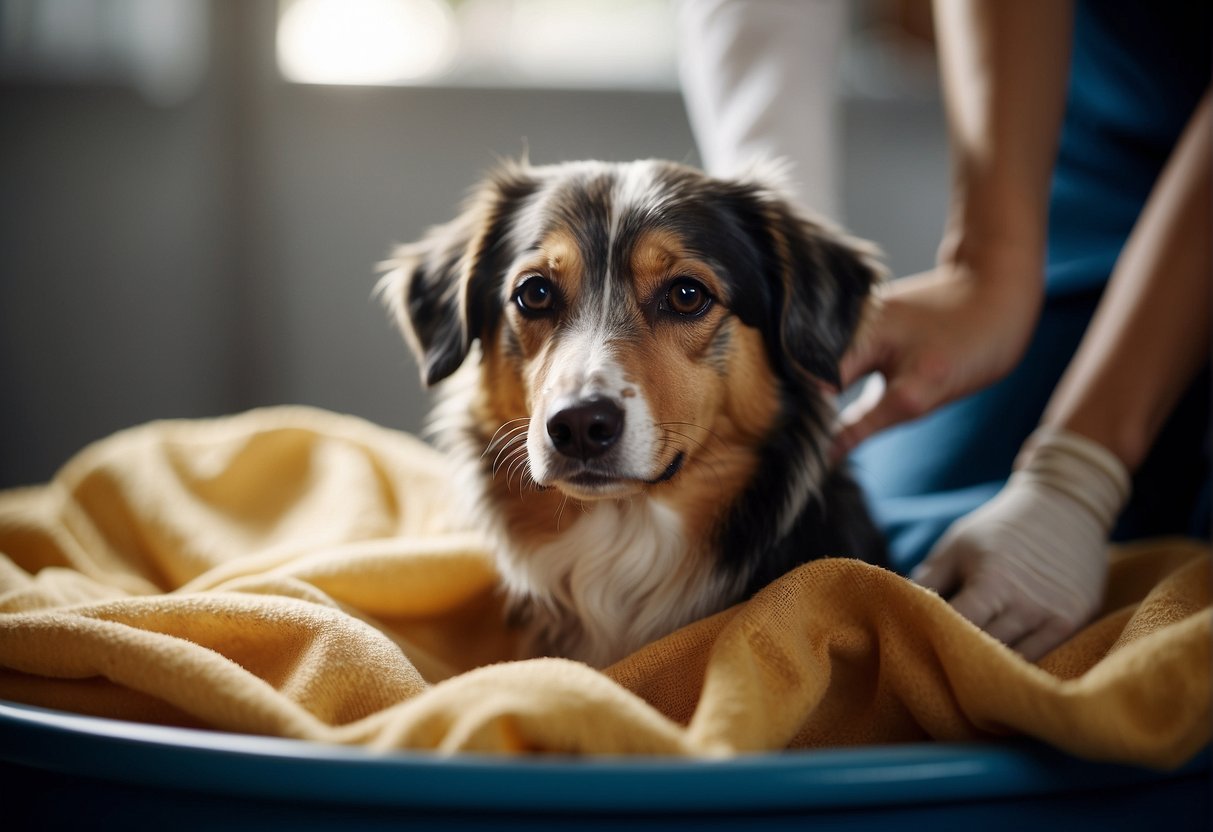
point(301, 574)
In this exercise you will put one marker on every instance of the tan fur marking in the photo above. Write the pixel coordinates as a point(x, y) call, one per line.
point(727, 454)
point(559, 260)
point(659, 256)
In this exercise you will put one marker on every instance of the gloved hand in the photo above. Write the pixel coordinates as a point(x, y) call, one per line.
point(1029, 566)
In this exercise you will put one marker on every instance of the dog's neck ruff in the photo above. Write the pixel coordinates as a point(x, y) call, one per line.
point(618, 577)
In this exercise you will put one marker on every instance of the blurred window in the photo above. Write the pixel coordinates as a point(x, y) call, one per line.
point(158, 47)
point(493, 43)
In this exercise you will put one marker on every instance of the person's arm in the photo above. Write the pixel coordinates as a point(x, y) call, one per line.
point(759, 79)
point(1029, 566)
point(948, 332)
point(1150, 334)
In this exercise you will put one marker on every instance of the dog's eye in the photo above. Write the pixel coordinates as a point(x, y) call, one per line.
point(536, 296)
point(687, 297)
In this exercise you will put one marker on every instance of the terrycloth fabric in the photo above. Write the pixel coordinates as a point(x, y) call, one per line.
point(301, 574)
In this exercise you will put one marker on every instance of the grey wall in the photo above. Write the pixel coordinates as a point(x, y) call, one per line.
point(111, 264)
point(218, 255)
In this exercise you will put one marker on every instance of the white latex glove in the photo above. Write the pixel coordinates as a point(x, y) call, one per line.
point(1029, 566)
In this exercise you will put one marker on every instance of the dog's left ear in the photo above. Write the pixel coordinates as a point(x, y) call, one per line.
point(442, 290)
point(823, 279)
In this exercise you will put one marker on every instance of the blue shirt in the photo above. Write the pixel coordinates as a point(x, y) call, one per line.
point(1137, 72)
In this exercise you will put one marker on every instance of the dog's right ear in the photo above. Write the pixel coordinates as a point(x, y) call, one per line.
point(442, 290)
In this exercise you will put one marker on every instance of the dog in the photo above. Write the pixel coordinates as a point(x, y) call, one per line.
point(633, 361)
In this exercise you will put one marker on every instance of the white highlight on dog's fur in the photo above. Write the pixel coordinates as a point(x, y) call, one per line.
point(636, 188)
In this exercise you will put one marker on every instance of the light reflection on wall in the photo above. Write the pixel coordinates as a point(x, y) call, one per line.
point(619, 44)
point(365, 41)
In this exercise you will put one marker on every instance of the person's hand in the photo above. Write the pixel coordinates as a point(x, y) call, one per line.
point(1029, 566)
point(935, 337)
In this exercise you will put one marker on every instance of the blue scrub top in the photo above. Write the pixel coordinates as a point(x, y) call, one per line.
point(1137, 72)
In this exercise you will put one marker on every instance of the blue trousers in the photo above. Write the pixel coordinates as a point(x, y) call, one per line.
point(922, 475)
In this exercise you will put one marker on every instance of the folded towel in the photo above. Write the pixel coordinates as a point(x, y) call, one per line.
point(301, 574)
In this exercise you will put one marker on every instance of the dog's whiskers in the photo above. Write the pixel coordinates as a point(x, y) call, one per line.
point(710, 433)
point(666, 429)
point(514, 458)
point(511, 433)
point(508, 457)
point(711, 458)
point(508, 450)
point(513, 469)
point(667, 432)
point(521, 464)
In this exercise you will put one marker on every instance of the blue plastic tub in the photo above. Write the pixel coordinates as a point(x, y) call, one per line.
point(61, 770)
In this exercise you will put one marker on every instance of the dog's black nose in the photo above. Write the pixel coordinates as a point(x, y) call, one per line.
point(587, 429)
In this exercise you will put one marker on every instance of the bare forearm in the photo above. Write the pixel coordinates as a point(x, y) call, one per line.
point(1004, 68)
point(1150, 335)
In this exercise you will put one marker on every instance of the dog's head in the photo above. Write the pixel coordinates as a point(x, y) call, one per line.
point(636, 316)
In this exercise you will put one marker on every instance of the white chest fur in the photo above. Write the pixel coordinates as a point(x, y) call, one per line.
point(620, 575)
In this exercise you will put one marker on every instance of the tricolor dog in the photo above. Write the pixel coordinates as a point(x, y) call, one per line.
point(633, 360)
